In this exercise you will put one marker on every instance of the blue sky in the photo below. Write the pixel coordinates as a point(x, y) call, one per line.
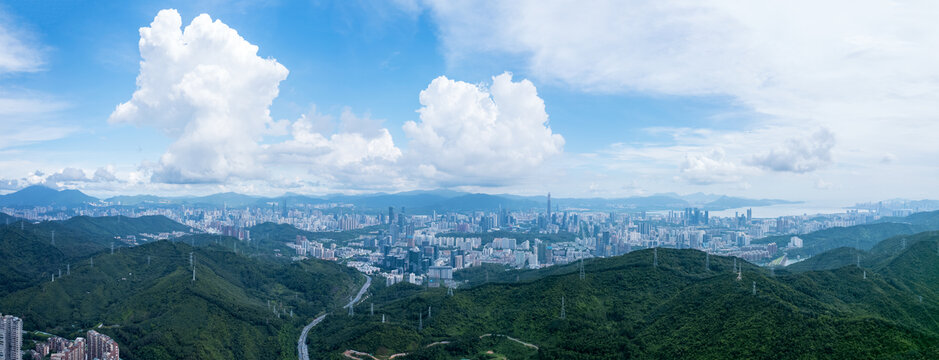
point(636, 102)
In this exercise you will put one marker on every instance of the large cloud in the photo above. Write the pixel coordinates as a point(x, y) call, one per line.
point(206, 86)
point(472, 135)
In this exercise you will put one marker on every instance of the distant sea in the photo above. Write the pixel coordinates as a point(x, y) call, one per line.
point(773, 211)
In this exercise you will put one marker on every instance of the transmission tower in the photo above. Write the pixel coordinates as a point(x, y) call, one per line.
point(449, 291)
point(655, 257)
point(193, 268)
point(112, 248)
point(420, 324)
point(582, 268)
point(707, 260)
point(148, 260)
point(735, 264)
point(371, 309)
point(68, 269)
point(382, 318)
point(754, 288)
point(859, 260)
point(60, 272)
point(865, 274)
point(351, 306)
point(563, 314)
point(53, 237)
point(92, 263)
point(190, 259)
point(428, 312)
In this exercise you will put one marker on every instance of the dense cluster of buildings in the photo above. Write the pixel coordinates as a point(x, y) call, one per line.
point(426, 249)
point(94, 346)
point(404, 247)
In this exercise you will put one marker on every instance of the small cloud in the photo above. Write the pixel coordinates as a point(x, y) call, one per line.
point(712, 168)
point(67, 175)
point(823, 185)
point(104, 175)
point(888, 158)
point(798, 155)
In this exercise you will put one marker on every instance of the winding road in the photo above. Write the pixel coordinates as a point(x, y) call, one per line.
point(302, 349)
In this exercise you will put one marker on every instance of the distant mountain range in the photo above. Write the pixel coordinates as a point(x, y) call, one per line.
point(422, 201)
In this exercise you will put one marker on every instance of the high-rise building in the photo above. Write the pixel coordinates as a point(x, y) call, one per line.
point(548, 215)
point(102, 347)
point(11, 337)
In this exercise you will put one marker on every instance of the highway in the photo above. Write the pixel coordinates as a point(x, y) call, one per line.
point(302, 350)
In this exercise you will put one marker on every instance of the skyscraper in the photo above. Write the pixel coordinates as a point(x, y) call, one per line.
point(11, 337)
point(548, 215)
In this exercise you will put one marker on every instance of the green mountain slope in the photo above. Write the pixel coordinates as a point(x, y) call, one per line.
point(624, 307)
point(237, 308)
point(31, 257)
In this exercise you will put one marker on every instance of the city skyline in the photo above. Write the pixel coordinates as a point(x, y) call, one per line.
point(352, 98)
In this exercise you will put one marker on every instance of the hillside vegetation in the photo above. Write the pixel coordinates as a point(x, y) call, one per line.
point(237, 308)
point(626, 307)
point(30, 256)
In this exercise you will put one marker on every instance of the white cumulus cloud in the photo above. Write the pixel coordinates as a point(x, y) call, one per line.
point(710, 168)
point(473, 135)
point(206, 86)
point(799, 155)
point(361, 152)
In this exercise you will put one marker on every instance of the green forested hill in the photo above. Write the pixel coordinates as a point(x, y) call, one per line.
point(82, 235)
point(237, 308)
point(30, 256)
point(625, 307)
